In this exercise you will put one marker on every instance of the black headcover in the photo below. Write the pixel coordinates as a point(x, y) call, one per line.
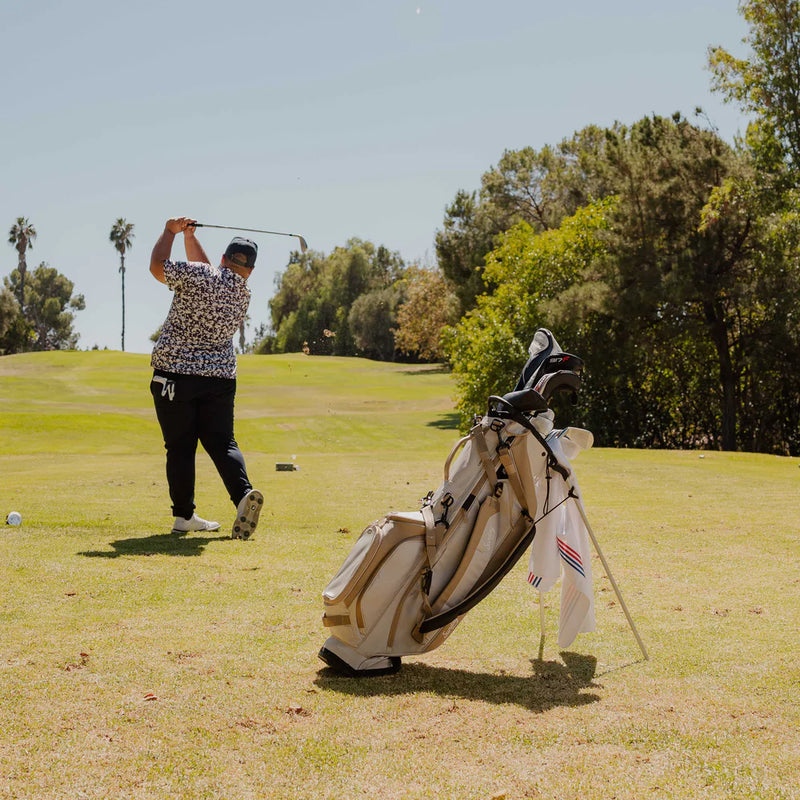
point(549, 369)
point(561, 381)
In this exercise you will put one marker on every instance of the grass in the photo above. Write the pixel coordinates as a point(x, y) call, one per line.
point(138, 664)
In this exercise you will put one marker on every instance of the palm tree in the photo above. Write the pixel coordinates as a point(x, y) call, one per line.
point(121, 235)
point(21, 235)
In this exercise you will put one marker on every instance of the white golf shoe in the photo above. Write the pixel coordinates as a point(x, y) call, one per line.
point(195, 523)
point(247, 515)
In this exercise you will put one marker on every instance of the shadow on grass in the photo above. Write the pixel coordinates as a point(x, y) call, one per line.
point(427, 369)
point(169, 544)
point(449, 421)
point(552, 683)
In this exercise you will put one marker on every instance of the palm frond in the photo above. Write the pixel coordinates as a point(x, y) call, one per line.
point(122, 235)
point(22, 230)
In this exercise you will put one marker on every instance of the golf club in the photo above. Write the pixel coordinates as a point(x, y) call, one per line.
point(303, 245)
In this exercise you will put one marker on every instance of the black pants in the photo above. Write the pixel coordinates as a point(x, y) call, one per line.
point(192, 408)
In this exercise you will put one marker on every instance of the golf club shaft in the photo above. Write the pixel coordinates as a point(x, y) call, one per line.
point(303, 245)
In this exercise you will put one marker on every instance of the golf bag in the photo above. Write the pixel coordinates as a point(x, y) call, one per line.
point(411, 576)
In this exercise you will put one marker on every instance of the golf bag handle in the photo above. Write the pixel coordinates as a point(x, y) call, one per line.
point(456, 447)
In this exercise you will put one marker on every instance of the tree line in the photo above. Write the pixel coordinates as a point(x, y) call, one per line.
point(667, 258)
point(664, 256)
point(37, 307)
point(359, 300)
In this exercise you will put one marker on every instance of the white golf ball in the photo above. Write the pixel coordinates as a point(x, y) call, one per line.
point(14, 518)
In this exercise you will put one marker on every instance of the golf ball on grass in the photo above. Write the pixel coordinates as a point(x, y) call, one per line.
point(14, 518)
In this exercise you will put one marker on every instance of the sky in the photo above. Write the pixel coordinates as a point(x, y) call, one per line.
point(332, 119)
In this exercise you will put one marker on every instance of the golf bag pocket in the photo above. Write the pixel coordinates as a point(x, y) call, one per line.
point(357, 561)
point(476, 556)
point(378, 574)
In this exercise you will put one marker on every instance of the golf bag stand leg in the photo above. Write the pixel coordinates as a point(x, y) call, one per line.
point(541, 626)
point(607, 569)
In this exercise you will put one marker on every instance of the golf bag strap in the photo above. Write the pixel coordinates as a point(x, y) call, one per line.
point(335, 620)
point(458, 445)
point(486, 459)
point(430, 533)
point(526, 530)
point(425, 611)
point(506, 459)
point(513, 413)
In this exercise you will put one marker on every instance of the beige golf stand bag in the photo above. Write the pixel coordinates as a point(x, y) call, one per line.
point(410, 577)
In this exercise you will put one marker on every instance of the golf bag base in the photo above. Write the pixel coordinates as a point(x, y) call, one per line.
point(347, 661)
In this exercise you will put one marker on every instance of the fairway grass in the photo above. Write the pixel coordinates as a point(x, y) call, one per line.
point(139, 664)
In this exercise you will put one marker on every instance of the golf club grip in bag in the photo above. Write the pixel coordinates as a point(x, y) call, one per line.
point(411, 577)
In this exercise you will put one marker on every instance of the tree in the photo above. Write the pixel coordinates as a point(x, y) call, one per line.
point(310, 309)
point(544, 187)
point(9, 310)
point(21, 235)
point(469, 232)
point(49, 304)
point(242, 336)
point(685, 296)
point(672, 273)
point(769, 343)
point(767, 83)
point(121, 236)
point(488, 347)
point(430, 307)
point(538, 187)
point(13, 330)
point(372, 319)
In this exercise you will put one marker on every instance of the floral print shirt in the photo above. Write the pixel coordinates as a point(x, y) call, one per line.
point(208, 306)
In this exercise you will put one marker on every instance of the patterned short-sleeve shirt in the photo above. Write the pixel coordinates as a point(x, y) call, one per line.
point(208, 306)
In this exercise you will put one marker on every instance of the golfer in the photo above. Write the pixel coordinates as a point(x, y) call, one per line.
point(194, 372)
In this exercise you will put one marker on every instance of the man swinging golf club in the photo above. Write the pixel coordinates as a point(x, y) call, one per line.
point(194, 372)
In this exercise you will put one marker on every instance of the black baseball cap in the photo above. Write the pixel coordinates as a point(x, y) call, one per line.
point(242, 252)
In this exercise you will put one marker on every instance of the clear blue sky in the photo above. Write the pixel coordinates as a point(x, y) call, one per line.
point(331, 119)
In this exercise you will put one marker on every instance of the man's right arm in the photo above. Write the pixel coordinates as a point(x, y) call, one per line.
point(163, 247)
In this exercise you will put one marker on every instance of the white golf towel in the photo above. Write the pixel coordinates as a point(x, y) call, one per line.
point(561, 548)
